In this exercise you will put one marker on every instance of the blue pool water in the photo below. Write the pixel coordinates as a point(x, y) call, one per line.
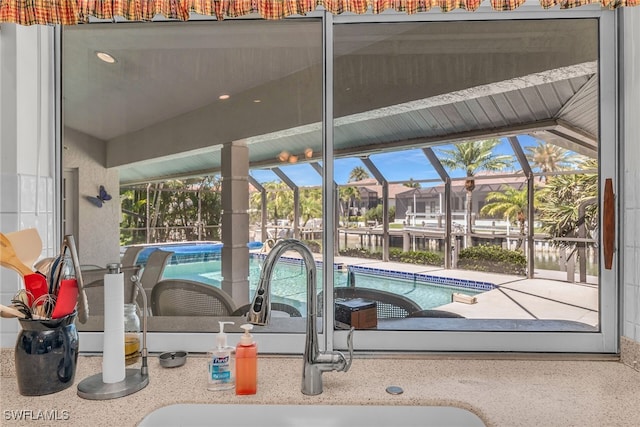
point(289, 282)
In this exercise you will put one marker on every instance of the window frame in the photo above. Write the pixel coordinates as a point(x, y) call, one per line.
point(604, 341)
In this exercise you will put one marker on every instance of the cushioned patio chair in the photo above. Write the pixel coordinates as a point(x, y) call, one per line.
point(177, 297)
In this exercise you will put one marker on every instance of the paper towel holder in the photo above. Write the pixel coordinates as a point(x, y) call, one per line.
point(93, 388)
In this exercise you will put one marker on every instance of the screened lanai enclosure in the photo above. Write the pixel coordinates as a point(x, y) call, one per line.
point(453, 164)
point(417, 214)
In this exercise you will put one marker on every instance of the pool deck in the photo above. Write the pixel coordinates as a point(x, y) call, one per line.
point(548, 296)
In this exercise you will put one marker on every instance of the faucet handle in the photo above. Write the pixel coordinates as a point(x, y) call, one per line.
point(350, 347)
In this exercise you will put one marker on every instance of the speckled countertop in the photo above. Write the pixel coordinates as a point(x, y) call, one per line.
point(502, 392)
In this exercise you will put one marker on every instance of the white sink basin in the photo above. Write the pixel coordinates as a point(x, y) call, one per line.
point(310, 416)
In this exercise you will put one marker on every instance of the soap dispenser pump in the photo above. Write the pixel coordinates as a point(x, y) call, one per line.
point(246, 363)
point(221, 367)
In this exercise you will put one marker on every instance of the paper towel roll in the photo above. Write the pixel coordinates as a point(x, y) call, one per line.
point(113, 364)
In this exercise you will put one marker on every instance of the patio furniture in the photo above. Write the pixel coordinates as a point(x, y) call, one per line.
point(95, 290)
point(389, 305)
point(130, 256)
point(150, 275)
point(177, 297)
point(435, 313)
point(275, 306)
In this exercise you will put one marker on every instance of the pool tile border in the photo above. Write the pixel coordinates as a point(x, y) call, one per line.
point(425, 278)
point(418, 277)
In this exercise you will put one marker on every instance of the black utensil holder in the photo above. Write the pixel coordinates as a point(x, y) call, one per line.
point(46, 355)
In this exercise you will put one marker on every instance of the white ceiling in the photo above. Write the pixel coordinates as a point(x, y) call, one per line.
point(396, 85)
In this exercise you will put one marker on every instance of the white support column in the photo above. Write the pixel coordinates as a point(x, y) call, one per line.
point(235, 221)
point(630, 199)
point(26, 145)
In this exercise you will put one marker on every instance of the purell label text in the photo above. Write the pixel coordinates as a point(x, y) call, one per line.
point(220, 360)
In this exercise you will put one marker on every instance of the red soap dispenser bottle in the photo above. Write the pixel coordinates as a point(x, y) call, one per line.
point(246, 363)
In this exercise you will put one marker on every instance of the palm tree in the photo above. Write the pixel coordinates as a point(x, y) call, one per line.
point(412, 184)
point(348, 195)
point(210, 206)
point(358, 174)
point(176, 209)
point(511, 204)
point(154, 205)
point(133, 203)
point(473, 157)
point(310, 204)
point(560, 199)
point(549, 158)
point(279, 200)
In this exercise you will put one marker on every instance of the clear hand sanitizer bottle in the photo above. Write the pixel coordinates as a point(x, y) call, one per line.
point(221, 364)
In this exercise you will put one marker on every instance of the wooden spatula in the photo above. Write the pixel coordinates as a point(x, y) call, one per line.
point(10, 312)
point(27, 245)
point(9, 259)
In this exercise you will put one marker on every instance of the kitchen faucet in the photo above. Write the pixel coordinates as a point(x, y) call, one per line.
point(315, 361)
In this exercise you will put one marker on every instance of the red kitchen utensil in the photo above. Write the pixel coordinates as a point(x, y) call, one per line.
point(67, 298)
point(36, 285)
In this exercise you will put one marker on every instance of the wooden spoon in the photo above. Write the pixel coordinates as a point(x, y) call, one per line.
point(10, 312)
point(27, 244)
point(9, 259)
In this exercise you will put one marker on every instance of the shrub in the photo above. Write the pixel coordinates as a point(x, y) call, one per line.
point(375, 214)
point(416, 257)
point(411, 257)
point(361, 253)
point(494, 259)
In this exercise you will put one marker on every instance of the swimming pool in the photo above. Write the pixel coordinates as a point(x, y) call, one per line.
point(289, 282)
point(188, 252)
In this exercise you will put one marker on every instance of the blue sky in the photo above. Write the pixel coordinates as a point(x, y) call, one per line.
point(395, 166)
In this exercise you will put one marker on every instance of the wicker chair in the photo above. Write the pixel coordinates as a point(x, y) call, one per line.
point(151, 274)
point(176, 297)
point(275, 306)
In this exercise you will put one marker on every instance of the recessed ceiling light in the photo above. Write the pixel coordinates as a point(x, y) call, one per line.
point(224, 97)
point(106, 57)
point(257, 101)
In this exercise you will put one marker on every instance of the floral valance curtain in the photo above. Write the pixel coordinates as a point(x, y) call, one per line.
point(70, 12)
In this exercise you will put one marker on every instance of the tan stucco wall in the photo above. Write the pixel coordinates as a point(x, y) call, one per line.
point(98, 229)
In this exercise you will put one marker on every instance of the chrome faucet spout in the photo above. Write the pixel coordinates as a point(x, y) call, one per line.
point(315, 361)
